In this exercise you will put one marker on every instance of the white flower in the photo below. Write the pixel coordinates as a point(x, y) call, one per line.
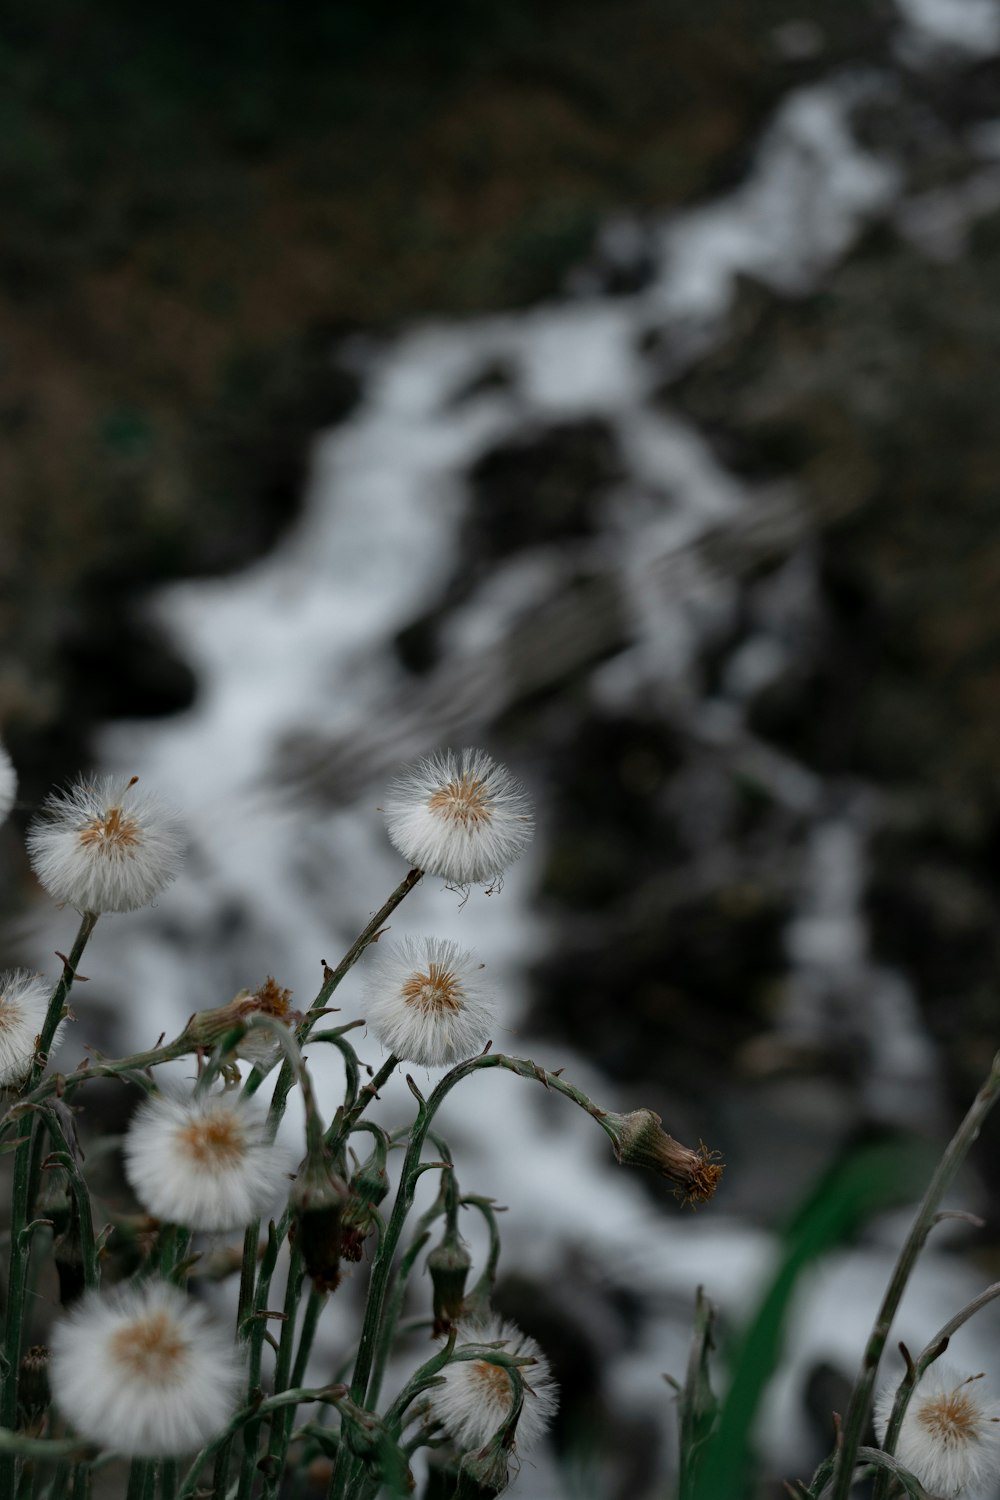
point(8, 783)
point(103, 846)
point(24, 1000)
point(463, 817)
point(426, 1002)
point(144, 1371)
point(476, 1396)
point(950, 1437)
point(203, 1160)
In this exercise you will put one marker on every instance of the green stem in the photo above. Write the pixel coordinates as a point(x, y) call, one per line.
point(281, 1422)
point(20, 1239)
point(382, 1264)
point(54, 1014)
point(926, 1217)
point(169, 1478)
point(331, 979)
point(916, 1368)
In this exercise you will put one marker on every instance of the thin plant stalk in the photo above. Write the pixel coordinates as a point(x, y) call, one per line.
point(21, 1200)
point(924, 1221)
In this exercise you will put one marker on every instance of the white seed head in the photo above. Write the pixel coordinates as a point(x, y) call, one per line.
point(476, 1396)
point(8, 783)
point(24, 999)
point(950, 1437)
point(204, 1160)
point(104, 846)
point(426, 1001)
point(463, 817)
point(144, 1371)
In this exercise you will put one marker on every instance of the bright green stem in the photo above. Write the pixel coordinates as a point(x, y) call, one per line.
point(926, 1217)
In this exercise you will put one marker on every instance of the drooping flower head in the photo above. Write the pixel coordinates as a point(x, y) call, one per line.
point(143, 1370)
point(24, 1000)
point(426, 1002)
point(103, 846)
point(950, 1436)
point(463, 817)
point(8, 783)
point(203, 1160)
point(258, 1045)
point(476, 1395)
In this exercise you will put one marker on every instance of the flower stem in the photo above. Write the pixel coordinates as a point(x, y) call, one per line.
point(923, 1223)
point(59, 996)
point(331, 979)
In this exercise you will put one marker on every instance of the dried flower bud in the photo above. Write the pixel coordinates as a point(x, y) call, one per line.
point(640, 1141)
point(33, 1386)
point(317, 1200)
point(258, 1046)
point(449, 1264)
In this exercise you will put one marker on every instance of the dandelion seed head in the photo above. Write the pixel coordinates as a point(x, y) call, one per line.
point(459, 815)
point(203, 1160)
point(144, 1371)
point(24, 1000)
point(426, 1001)
point(950, 1435)
point(476, 1395)
point(103, 846)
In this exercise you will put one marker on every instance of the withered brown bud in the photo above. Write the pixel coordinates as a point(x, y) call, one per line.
point(33, 1386)
point(639, 1140)
point(449, 1264)
point(317, 1199)
point(259, 1047)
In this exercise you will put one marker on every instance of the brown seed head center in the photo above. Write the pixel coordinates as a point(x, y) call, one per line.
point(110, 833)
point(11, 1015)
point(149, 1349)
point(493, 1380)
point(465, 801)
point(271, 999)
point(952, 1417)
point(216, 1141)
point(435, 991)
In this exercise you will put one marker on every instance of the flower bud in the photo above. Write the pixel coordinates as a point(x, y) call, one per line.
point(369, 1186)
point(640, 1141)
point(449, 1264)
point(33, 1386)
point(317, 1199)
point(257, 1046)
point(486, 1474)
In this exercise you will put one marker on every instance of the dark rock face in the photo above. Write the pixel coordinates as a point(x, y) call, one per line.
point(545, 488)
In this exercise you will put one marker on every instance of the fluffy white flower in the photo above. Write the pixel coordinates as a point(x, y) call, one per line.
point(426, 1002)
point(463, 817)
point(144, 1371)
point(103, 846)
point(476, 1395)
point(8, 783)
point(24, 999)
point(950, 1437)
point(203, 1160)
